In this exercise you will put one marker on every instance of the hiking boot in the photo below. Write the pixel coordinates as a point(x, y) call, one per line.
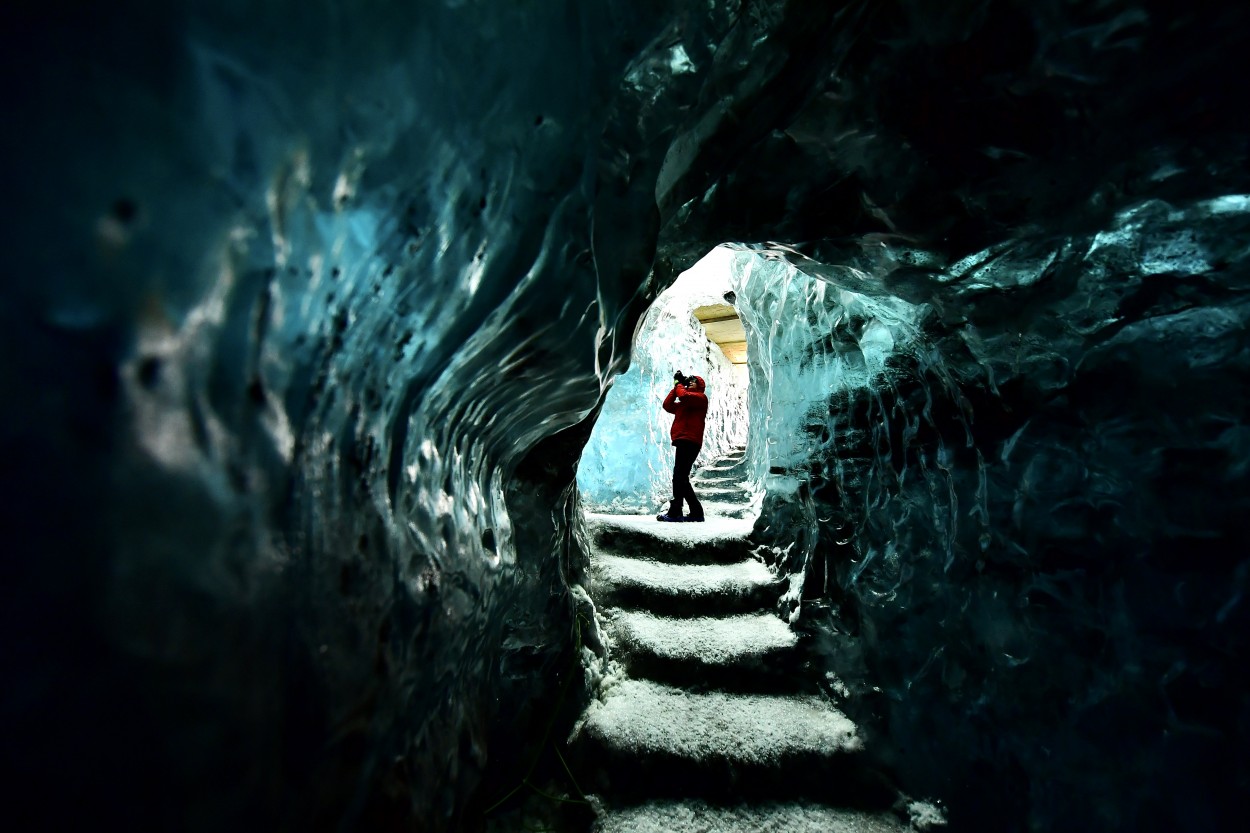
point(673, 514)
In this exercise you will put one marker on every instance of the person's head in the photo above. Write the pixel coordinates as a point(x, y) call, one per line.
point(695, 383)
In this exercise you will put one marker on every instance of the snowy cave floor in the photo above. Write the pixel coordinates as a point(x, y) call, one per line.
point(706, 716)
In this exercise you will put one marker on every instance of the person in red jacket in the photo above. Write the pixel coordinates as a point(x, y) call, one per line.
point(687, 401)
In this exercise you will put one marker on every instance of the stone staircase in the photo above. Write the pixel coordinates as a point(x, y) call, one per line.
point(708, 721)
point(721, 487)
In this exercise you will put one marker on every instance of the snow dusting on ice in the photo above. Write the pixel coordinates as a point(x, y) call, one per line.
point(699, 817)
point(713, 640)
point(713, 530)
point(925, 815)
point(688, 580)
point(646, 717)
point(721, 509)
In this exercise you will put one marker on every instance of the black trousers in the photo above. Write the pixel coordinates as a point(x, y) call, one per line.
point(682, 490)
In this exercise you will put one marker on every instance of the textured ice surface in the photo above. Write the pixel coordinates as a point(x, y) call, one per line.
point(699, 817)
point(628, 463)
point(744, 728)
point(712, 640)
point(845, 344)
point(1044, 482)
point(315, 283)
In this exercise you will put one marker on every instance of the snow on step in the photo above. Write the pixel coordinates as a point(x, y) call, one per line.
point(734, 497)
point(711, 640)
point(699, 817)
point(686, 580)
point(713, 530)
point(719, 509)
point(701, 486)
point(645, 718)
point(714, 476)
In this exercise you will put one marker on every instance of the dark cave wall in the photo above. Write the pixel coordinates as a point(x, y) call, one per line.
point(296, 296)
point(1043, 594)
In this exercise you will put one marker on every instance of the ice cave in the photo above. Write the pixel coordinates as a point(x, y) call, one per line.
point(336, 336)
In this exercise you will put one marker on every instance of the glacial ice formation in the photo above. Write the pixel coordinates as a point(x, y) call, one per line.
point(628, 463)
point(309, 310)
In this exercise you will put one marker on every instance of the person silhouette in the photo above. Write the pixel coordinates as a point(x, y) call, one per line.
point(687, 402)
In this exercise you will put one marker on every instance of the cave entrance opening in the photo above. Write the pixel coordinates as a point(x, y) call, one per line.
point(693, 327)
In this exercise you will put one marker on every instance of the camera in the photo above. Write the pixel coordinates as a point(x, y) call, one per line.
point(682, 379)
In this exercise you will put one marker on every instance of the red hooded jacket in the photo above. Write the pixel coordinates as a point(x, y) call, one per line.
point(689, 413)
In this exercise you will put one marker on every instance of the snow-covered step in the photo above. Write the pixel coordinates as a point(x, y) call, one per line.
point(710, 640)
point(718, 476)
point(682, 589)
point(702, 487)
point(647, 719)
point(772, 817)
point(734, 477)
point(721, 494)
point(715, 541)
point(649, 740)
point(721, 509)
point(746, 653)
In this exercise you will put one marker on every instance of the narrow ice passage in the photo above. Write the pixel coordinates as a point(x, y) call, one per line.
point(707, 718)
point(709, 706)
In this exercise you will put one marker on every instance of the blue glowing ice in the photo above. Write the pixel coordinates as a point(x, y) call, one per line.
point(627, 465)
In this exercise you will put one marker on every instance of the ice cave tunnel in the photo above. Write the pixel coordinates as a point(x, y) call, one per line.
point(334, 334)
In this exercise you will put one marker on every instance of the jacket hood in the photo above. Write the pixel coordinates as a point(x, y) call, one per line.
point(699, 385)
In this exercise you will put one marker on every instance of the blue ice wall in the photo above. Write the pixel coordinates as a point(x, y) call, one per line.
point(810, 341)
point(844, 343)
point(1007, 519)
point(299, 301)
point(627, 466)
